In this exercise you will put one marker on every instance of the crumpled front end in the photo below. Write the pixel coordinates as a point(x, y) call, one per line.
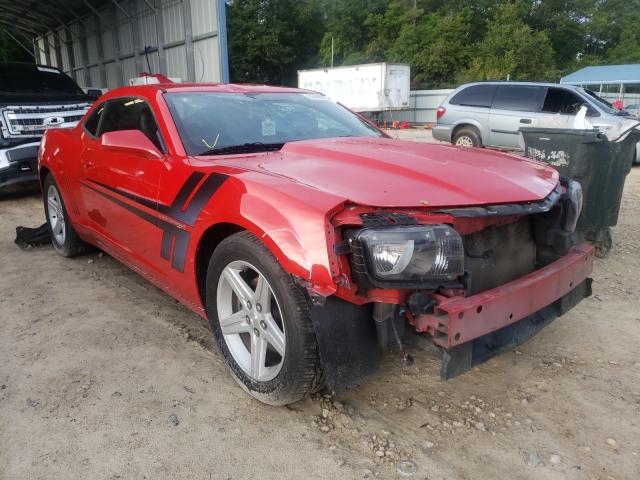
point(476, 280)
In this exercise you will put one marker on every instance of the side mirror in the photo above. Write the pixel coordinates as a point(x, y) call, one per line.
point(96, 93)
point(130, 141)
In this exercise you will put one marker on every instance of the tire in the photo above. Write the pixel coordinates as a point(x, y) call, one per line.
point(290, 367)
point(64, 238)
point(467, 137)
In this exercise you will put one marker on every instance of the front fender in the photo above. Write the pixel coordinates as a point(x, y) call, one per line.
point(299, 235)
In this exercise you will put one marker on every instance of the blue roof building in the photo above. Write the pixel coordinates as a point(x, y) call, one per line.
point(609, 81)
point(604, 74)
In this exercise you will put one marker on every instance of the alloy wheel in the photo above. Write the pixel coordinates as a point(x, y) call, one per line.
point(251, 321)
point(464, 141)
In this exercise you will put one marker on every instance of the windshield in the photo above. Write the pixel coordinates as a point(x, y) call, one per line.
point(213, 122)
point(604, 105)
point(33, 78)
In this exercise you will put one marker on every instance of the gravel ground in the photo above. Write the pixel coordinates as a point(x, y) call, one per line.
point(103, 376)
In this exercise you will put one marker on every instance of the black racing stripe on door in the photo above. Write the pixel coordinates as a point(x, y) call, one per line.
point(169, 231)
point(131, 196)
point(141, 213)
point(175, 241)
point(177, 208)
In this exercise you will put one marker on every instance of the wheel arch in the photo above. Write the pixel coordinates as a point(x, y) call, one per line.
point(284, 243)
point(207, 243)
point(467, 124)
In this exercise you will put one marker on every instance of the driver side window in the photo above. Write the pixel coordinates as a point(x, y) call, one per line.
point(565, 102)
point(131, 114)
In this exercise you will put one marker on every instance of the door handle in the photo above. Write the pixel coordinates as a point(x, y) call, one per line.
point(525, 120)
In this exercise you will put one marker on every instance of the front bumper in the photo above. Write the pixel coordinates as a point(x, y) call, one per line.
point(19, 165)
point(458, 320)
point(350, 345)
point(474, 329)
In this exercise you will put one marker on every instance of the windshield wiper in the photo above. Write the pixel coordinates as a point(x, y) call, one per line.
point(248, 147)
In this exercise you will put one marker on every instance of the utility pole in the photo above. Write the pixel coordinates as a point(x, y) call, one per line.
point(331, 51)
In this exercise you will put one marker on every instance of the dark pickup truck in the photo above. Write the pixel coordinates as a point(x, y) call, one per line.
point(32, 99)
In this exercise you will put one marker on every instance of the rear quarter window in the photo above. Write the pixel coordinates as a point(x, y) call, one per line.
point(521, 98)
point(474, 96)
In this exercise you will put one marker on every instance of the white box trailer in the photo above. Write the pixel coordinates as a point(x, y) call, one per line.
point(373, 87)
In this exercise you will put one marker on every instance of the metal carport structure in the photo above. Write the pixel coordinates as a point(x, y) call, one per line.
point(103, 43)
point(610, 81)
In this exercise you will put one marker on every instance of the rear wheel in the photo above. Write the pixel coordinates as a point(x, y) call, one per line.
point(467, 137)
point(261, 322)
point(63, 236)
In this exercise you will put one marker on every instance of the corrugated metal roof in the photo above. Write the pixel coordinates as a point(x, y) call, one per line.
point(106, 42)
point(604, 74)
point(35, 17)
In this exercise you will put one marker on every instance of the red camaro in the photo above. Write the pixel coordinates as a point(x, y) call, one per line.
point(310, 240)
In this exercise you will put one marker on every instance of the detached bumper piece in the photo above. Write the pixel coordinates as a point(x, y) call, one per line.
point(473, 329)
point(32, 237)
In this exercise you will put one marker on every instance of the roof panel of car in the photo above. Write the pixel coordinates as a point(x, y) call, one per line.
point(150, 90)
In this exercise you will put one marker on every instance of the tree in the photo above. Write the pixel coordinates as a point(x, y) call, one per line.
point(346, 25)
point(445, 41)
point(448, 48)
point(627, 49)
point(269, 40)
point(564, 23)
point(512, 49)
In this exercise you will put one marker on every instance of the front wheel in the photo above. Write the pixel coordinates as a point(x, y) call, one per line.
point(261, 322)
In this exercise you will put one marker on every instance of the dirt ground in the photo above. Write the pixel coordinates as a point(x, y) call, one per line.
point(102, 376)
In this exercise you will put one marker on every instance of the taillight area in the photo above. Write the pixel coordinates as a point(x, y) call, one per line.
point(441, 111)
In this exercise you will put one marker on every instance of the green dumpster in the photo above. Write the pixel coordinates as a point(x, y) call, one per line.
point(600, 165)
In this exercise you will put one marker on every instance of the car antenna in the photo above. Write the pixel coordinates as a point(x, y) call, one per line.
point(147, 49)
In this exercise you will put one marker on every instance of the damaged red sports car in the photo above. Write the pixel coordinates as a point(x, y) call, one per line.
point(310, 240)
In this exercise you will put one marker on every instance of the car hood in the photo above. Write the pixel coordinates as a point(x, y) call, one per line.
point(392, 173)
point(13, 98)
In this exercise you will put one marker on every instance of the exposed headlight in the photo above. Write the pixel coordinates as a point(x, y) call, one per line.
point(574, 206)
point(415, 254)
